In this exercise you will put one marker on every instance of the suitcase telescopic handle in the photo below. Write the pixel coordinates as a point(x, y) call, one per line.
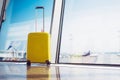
point(41, 7)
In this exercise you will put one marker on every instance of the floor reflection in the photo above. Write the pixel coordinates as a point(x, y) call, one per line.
point(16, 71)
point(39, 73)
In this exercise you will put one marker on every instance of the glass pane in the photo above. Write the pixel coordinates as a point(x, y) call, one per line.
point(91, 32)
point(21, 20)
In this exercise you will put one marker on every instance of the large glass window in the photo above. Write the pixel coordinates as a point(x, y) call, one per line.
point(21, 19)
point(91, 32)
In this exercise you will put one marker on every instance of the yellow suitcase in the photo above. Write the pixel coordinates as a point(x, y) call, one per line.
point(38, 47)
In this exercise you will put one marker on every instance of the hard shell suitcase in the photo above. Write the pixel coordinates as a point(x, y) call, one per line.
point(38, 47)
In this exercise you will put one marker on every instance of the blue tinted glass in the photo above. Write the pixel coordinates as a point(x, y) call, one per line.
point(25, 9)
point(21, 19)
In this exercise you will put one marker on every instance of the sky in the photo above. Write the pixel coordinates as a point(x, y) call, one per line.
point(91, 25)
point(21, 17)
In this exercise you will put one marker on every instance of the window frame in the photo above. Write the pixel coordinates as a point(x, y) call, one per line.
point(2, 12)
point(59, 44)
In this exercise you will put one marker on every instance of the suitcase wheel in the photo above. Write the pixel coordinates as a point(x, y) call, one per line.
point(47, 62)
point(28, 63)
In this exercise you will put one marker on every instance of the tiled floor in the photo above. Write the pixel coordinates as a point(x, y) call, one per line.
point(16, 71)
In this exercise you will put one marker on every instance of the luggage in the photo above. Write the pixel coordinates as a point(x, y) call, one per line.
point(38, 47)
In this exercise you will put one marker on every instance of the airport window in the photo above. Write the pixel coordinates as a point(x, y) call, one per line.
point(91, 32)
point(21, 19)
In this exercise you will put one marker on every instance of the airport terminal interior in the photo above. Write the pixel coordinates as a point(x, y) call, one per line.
point(59, 40)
